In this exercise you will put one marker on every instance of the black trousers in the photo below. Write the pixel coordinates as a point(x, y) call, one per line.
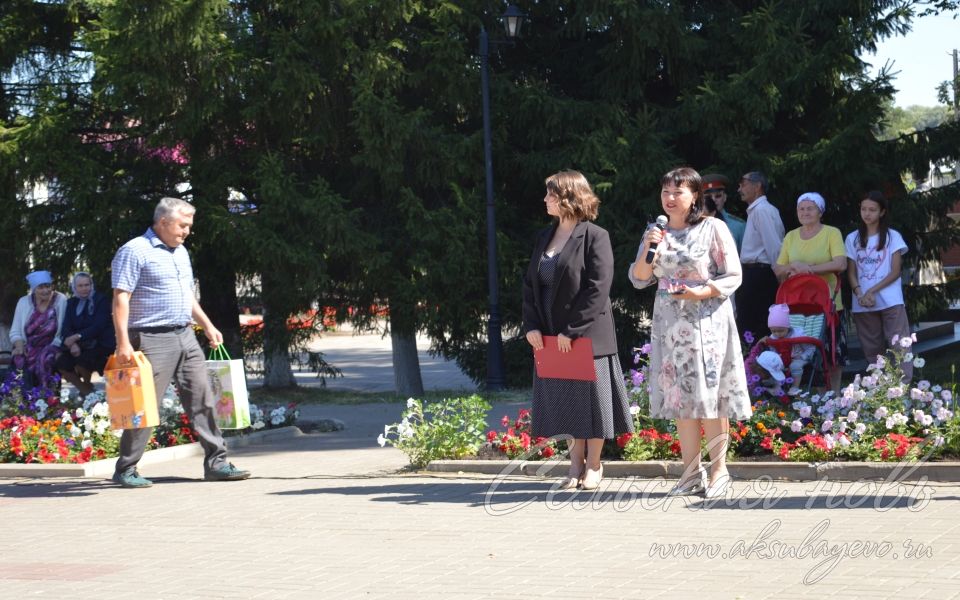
point(754, 297)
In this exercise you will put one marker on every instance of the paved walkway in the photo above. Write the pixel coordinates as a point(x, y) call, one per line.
point(366, 361)
point(332, 515)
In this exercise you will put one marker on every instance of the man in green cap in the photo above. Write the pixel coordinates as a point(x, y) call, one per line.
point(715, 195)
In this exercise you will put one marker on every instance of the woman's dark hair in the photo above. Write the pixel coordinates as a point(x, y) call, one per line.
point(883, 225)
point(690, 179)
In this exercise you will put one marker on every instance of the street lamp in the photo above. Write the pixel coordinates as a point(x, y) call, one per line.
point(513, 20)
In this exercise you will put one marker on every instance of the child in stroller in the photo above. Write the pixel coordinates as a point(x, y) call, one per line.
point(800, 354)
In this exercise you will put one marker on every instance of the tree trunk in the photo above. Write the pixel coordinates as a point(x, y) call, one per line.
point(406, 362)
point(276, 338)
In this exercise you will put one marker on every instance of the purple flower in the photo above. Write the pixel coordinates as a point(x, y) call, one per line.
point(788, 380)
point(754, 378)
point(748, 337)
point(645, 349)
point(758, 391)
point(636, 359)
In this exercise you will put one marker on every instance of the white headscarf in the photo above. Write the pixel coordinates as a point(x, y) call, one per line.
point(815, 198)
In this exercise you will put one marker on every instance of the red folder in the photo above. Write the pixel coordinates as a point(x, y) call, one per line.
point(576, 364)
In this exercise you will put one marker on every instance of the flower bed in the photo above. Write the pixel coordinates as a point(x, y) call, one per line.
point(39, 425)
point(876, 418)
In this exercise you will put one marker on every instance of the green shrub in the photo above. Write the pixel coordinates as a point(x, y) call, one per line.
point(449, 429)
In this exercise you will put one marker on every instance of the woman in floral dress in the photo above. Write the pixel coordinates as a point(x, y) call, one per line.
point(695, 359)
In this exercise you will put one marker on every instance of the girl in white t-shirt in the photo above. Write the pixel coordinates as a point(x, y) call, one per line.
point(874, 258)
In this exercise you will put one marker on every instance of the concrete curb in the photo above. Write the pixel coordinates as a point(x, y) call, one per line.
point(104, 468)
point(786, 471)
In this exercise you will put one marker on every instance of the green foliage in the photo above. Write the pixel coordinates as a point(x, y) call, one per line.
point(335, 151)
point(517, 358)
point(448, 429)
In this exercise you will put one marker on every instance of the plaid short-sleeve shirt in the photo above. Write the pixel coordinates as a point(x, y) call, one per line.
point(159, 279)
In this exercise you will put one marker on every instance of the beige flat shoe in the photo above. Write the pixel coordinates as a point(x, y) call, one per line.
point(592, 479)
point(693, 487)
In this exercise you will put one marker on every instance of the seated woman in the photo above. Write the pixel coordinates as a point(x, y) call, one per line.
point(35, 332)
point(88, 337)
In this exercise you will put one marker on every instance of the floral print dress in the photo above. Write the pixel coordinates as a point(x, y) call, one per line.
point(696, 364)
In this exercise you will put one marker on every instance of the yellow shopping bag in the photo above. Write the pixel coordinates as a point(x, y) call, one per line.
point(130, 393)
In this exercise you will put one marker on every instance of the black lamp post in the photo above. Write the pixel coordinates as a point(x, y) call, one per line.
point(512, 21)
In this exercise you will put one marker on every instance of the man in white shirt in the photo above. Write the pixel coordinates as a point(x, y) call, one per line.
point(762, 239)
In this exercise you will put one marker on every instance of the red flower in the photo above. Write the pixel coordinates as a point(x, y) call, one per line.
point(491, 435)
point(547, 452)
point(623, 440)
point(505, 420)
point(525, 440)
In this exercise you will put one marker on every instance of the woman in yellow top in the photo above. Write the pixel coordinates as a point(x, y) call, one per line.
point(815, 248)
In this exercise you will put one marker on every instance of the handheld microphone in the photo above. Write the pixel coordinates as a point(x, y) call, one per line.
point(652, 251)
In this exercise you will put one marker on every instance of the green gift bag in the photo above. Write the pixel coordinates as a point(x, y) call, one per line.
point(229, 387)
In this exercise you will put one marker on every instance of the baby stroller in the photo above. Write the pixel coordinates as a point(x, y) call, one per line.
point(812, 310)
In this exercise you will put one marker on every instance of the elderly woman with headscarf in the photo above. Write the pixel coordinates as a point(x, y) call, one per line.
point(88, 338)
point(35, 332)
point(816, 248)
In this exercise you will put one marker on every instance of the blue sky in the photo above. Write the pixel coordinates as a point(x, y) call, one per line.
point(922, 57)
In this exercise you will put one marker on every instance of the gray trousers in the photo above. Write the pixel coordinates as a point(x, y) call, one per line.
point(178, 357)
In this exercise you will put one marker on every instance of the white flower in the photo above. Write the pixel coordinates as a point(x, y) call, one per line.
point(947, 395)
point(804, 411)
point(65, 418)
point(895, 392)
point(860, 429)
point(101, 409)
point(410, 404)
point(793, 391)
point(276, 419)
point(64, 394)
point(889, 423)
point(166, 403)
point(924, 385)
point(843, 441)
point(79, 413)
point(908, 356)
point(75, 431)
point(906, 342)
point(916, 394)
point(944, 414)
point(936, 389)
point(938, 441)
point(852, 416)
point(796, 426)
point(381, 440)
point(895, 339)
point(86, 444)
point(830, 441)
point(881, 362)
point(88, 422)
point(827, 426)
point(634, 409)
point(919, 362)
point(258, 425)
point(101, 427)
point(922, 418)
point(881, 413)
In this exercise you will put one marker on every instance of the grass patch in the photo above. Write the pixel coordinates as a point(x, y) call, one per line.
point(304, 395)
